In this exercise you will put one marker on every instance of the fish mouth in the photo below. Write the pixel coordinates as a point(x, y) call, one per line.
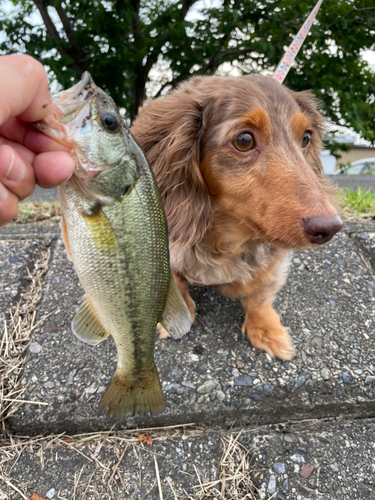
point(68, 101)
point(66, 106)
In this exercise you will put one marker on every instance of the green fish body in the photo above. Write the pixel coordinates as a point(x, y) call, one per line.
point(115, 232)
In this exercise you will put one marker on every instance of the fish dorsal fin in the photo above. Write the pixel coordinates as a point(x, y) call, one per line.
point(176, 318)
point(86, 325)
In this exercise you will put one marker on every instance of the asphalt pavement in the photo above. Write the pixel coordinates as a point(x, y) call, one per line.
point(309, 424)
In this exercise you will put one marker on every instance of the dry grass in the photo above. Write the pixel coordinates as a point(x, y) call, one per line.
point(36, 211)
point(234, 482)
point(15, 339)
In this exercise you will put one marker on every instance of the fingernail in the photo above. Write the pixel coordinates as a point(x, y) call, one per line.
point(16, 170)
point(3, 193)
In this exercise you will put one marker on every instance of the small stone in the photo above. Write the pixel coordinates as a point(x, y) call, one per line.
point(290, 438)
point(335, 467)
point(235, 372)
point(306, 470)
point(220, 395)
point(34, 378)
point(340, 262)
point(369, 379)
point(49, 385)
point(194, 357)
point(364, 236)
point(298, 459)
point(255, 396)
point(207, 387)
point(239, 363)
point(325, 373)
point(51, 493)
point(178, 450)
point(297, 261)
point(316, 342)
point(303, 449)
point(35, 347)
point(267, 390)
point(192, 398)
point(328, 262)
point(70, 377)
point(188, 384)
point(224, 385)
point(348, 378)
point(311, 386)
point(200, 400)
point(299, 382)
point(271, 487)
point(332, 303)
point(244, 380)
point(279, 468)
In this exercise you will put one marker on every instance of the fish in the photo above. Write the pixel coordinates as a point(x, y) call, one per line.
point(115, 231)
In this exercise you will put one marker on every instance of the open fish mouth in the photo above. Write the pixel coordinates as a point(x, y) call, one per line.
point(76, 96)
point(69, 106)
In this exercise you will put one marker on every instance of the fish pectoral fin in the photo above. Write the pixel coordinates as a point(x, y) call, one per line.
point(176, 318)
point(86, 325)
point(64, 234)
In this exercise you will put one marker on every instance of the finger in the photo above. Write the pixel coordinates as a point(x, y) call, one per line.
point(16, 175)
point(24, 88)
point(53, 168)
point(26, 134)
point(8, 205)
point(23, 152)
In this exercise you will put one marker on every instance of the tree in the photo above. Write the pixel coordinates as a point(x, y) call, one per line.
point(122, 41)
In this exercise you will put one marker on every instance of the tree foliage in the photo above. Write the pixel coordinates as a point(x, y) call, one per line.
point(121, 42)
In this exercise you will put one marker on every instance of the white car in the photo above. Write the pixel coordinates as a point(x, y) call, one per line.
point(359, 167)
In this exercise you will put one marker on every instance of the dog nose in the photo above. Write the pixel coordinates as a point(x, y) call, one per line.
point(320, 229)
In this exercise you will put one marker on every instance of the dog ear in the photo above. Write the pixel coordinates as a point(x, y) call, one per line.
point(169, 131)
point(309, 105)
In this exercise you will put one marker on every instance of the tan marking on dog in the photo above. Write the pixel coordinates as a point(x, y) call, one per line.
point(300, 123)
point(259, 119)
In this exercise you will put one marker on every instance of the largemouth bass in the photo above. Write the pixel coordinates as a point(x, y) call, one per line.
point(115, 232)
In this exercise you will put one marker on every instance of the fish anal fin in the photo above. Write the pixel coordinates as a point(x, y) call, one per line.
point(129, 395)
point(86, 325)
point(176, 319)
point(64, 234)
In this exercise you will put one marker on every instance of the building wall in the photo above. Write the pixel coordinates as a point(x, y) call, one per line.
point(355, 153)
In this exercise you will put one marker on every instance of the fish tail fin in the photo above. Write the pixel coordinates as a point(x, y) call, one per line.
point(128, 395)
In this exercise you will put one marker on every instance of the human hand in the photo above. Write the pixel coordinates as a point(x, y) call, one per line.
point(27, 156)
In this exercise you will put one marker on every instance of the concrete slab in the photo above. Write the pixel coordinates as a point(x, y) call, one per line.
point(353, 181)
point(214, 375)
point(313, 460)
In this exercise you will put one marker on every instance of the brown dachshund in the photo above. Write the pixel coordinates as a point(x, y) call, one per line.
point(237, 164)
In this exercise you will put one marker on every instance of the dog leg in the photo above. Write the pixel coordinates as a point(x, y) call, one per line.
point(262, 324)
point(183, 286)
point(264, 330)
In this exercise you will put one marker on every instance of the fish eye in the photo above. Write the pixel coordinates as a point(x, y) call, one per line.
point(306, 140)
point(109, 121)
point(244, 142)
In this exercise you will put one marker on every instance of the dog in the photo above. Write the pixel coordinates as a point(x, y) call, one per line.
point(237, 163)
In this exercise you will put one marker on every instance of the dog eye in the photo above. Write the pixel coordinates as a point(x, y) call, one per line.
point(305, 140)
point(244, 142)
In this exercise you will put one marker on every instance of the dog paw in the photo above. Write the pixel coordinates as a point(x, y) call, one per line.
point(163, 334)
point(269, 336)
point(191, 306)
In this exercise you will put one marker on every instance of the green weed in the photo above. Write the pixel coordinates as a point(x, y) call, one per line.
point(34, 211)
point(359, 204)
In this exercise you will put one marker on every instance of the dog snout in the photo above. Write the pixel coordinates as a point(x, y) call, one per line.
point(320, 229)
